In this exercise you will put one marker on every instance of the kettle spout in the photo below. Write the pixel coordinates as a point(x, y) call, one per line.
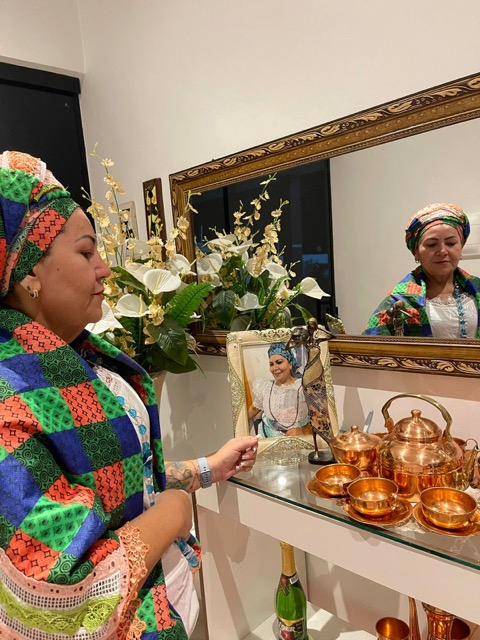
point(413, 620)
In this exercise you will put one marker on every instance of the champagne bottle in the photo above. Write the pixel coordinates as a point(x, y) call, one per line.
point(291, 603)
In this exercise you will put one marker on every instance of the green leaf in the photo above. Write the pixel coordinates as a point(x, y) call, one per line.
point(306, 314)
point(223, 305)
point(171, 339)
point(282, 318)
point(187, 301)
point(158, 361)
point(134, 326)
point(126, 279)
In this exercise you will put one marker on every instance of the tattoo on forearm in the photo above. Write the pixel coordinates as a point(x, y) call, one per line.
point(181, 475)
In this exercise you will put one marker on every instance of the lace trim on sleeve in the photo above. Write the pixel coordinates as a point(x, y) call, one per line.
point(130, 626)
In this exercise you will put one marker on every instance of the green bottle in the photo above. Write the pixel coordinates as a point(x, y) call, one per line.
point(291, 604)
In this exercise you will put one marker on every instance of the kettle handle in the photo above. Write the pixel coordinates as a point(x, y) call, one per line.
point(446, 416)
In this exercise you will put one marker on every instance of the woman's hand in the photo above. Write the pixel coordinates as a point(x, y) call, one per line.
point(238, 454)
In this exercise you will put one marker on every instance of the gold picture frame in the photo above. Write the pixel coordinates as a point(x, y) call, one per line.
point(444, 105)
point(247, 360)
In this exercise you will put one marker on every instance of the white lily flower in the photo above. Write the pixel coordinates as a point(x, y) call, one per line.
point(209, 264)
point(240, 249)
point(131, 306)
point(310, 287)
point(106, 322)
point(224, 242)
point(229, 244)
point(137, 270)
point(161, 281)
point(276, 270)
point(180, 265)
point(248, 302)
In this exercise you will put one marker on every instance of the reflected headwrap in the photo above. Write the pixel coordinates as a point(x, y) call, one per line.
point(34, 206)
point(281, 349)
point(438, 213)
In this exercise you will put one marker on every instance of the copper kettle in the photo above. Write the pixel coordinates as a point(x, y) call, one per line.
point(416, 454)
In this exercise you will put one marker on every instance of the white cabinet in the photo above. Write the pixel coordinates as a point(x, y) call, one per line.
point(240, 522)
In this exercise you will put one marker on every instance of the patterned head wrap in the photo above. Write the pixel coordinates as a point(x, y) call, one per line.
point(34, 206)
point(281, 349)
point(438, 213)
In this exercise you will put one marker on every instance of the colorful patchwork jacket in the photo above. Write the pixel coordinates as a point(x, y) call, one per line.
point(71, 479)
point(413, 291)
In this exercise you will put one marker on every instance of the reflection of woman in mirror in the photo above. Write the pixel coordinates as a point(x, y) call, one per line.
point(280, 402)
point(439, 299)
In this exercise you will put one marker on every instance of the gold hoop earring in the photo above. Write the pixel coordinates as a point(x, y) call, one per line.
point(33, 293)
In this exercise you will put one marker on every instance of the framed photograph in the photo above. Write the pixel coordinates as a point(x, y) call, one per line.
point(131, 226)
point(268, 397)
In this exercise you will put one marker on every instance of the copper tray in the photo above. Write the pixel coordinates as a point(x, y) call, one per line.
point(314, 487)
point(398, 516)
point(472, 529)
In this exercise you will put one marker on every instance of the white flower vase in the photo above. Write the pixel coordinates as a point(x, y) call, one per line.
point(158, 379)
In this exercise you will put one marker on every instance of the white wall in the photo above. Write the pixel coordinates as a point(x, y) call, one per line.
point(42, 34)
point(173, 83)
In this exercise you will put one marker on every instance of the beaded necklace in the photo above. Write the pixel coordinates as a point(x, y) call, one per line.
point(285, 426)
point(461, 313)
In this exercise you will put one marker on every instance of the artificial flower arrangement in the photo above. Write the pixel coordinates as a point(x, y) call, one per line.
point(251, 288)
point(148, 307)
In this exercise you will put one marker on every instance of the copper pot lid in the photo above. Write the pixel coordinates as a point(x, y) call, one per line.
point(355, 440)
point(417, 429)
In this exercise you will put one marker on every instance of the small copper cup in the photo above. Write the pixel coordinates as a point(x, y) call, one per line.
point(373, 497)
point(448, 508)
point(392, 629)
point(334, 479)
point(459, 630)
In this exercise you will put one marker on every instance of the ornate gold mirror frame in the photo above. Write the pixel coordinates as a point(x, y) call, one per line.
point(433, 108)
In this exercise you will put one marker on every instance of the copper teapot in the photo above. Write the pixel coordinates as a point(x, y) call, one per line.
point(416, 454)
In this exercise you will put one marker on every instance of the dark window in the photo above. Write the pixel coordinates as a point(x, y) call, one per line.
point(306, 232)
point(40, 115)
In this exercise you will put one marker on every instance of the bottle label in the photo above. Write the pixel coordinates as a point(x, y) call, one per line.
point(286, 581)
point(291, 629)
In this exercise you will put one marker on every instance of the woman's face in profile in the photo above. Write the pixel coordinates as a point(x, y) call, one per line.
point(280, 368)
point(439, 250)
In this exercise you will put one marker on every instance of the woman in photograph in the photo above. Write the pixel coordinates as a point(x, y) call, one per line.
point(279, 402)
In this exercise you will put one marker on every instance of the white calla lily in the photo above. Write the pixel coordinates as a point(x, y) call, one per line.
point(240, 249)
point(249, 266)
point(131, 306)
point(161, 281)
point(276, 270)
point(106, 322)
point(137, 270)
point(180, 265)
point(248, 302)
point(209, 264)
point(225, 242)
point(311, 288)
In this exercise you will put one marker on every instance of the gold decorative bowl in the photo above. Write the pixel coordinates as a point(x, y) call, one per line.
point(334, 479)
point(373, 497)
point(448, 508)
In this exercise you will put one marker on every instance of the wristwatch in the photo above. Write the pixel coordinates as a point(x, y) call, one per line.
point(206, 478)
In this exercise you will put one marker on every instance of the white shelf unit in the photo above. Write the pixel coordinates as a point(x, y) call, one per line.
point(321, 625)
point(239, 528)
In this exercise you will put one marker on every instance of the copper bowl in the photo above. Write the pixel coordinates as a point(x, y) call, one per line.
point(448, 508)
point(373, 497)
point(335, 478)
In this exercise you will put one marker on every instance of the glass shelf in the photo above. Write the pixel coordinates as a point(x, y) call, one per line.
point(287, 482)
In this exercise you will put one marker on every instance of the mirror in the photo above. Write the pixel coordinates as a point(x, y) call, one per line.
point(365, 151)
